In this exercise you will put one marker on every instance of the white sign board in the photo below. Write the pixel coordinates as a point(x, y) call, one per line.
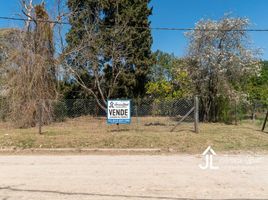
point(118, 112)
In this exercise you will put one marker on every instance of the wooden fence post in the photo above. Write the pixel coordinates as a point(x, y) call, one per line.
point(40, 113)
point(265, 120)
point(235, 112)
point(196, 114)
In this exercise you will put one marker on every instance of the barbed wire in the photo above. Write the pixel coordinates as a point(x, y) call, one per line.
point(139, 27)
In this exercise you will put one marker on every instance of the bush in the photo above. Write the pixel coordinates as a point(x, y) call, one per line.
point(3, 109)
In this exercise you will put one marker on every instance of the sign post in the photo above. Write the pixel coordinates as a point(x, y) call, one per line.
point(118, 112)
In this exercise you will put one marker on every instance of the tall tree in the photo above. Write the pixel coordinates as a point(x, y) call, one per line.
point(31, 69)
point(221, 59)
point(109, 47)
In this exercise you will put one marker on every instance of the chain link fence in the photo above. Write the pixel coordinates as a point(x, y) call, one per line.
point(152, 115)
point(146, 115)
point(236, 112)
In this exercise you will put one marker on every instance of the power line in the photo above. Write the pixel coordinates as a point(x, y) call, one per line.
point(137, 27)
point(39, 20)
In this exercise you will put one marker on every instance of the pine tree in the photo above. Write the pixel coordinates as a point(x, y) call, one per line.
point(121, 40)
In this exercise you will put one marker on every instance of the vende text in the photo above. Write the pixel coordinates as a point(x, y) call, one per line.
point(116, 112)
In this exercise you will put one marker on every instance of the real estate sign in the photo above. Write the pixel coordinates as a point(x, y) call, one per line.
point(118, 112)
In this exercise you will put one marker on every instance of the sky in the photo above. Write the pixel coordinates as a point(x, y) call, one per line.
point(183, 14)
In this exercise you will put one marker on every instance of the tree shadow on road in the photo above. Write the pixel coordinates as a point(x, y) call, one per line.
point(101, 195)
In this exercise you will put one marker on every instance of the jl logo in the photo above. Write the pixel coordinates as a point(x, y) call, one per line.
point(209, 153)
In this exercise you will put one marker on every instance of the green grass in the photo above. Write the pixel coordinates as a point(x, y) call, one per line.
point(88, 132)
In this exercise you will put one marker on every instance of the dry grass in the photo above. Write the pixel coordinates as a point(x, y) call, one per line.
point(147, 132)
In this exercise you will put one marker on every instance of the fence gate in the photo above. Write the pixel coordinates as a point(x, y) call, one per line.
point(194, 109)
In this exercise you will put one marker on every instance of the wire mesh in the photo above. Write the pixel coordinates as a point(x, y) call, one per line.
point(151, 115)
point(146, 114)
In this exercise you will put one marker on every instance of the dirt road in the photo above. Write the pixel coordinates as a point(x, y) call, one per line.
point(129, 177)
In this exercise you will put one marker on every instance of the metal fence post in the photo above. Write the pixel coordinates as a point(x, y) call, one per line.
point(196, 114)
point(40, 113)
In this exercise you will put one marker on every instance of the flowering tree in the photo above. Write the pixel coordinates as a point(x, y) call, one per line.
point(220, 59)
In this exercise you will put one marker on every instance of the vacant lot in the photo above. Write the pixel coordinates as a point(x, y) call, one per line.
point(88, 132)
